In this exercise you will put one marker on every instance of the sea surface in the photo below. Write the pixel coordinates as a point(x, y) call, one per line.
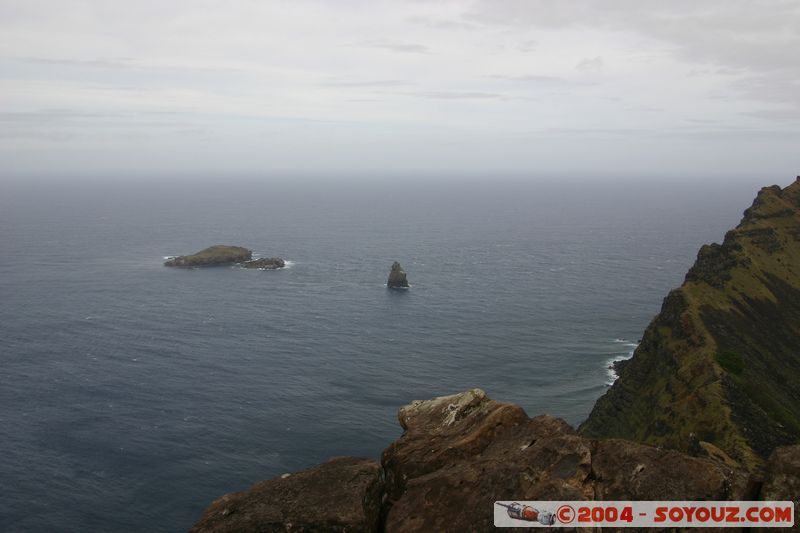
point(131, 395)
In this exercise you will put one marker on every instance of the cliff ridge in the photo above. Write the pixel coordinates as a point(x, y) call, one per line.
point(720, 364)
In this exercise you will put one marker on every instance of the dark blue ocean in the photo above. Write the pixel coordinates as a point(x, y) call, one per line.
point(131, 395)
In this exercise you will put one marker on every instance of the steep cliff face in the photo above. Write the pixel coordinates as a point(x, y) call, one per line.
point(719, 367)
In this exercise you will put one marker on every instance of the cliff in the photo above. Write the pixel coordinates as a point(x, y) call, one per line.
point(718, 369)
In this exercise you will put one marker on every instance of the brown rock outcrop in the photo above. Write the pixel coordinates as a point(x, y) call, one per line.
point(341, 495)
point(459, 454)
point(443, 431)
point(782, 476)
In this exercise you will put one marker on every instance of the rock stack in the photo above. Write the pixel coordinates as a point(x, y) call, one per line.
point(397, 277)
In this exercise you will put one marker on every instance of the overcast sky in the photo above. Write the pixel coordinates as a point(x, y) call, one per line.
point(426, 88)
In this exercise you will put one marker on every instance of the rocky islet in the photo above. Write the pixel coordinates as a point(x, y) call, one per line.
point(222, 255)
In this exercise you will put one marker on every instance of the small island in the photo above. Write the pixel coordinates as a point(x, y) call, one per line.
point(217, 255)
point(221, 255)
point(266, 263)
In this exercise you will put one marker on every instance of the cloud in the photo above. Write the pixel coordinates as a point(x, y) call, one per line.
point(759, 34)
point(70, 125)
point(789, 116)
point(779, 87)
point(530, 78)
point(716, 134)
point(757, 39)
point(325, 79)
point(55, 116)
point(367, 83)
point(459, 95)
point(442, 24)
point(702, 121)
point(403, 48)
point(592, 65)
point(123, 63)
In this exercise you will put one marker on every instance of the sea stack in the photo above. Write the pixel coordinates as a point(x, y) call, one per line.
point(397, 277)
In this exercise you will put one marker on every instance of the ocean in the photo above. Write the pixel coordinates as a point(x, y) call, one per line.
point(132, 395)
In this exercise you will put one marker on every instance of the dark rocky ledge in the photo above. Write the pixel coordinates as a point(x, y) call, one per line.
point(217, 255)
point(617, 365)
point(268, 263)
point(342, 495)
point(460, 453)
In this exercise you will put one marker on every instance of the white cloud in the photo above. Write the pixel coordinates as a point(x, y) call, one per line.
point(311, 86)
point(405, 48)
point(594, 64)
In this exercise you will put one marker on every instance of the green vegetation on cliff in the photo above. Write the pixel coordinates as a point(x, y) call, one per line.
point(720, 363)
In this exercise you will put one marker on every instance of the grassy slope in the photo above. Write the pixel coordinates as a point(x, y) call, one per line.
point(722, 359)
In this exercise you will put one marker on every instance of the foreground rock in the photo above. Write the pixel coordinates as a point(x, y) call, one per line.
point(270, 263)
point(457, 455)
point(460, 453)
point(782, 477)
point(212, 256)
point(719, 367)
point(397, 277)
point(342, 495)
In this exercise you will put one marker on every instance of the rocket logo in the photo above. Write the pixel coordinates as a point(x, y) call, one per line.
point(528, 513)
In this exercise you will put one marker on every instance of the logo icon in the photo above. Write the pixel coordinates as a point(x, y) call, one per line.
point(527, 513)
point(565, 514)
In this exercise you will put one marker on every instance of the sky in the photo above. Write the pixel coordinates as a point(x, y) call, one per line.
point(416, 88)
